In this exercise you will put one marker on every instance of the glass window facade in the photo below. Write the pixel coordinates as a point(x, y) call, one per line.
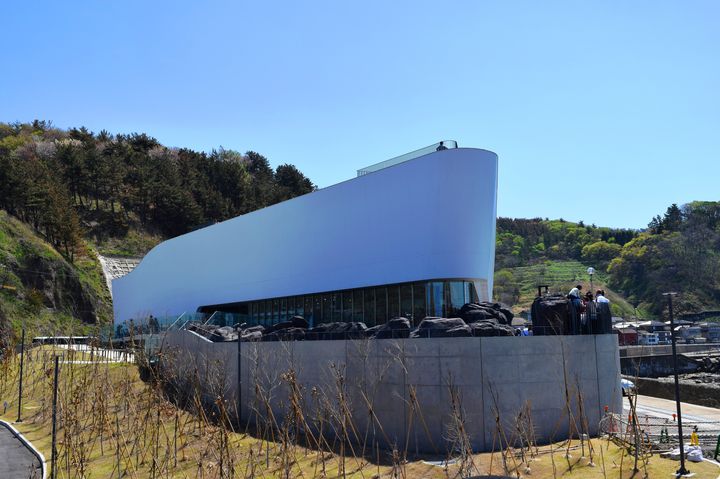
point(373, 306)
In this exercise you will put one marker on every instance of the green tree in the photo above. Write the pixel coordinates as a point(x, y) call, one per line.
point(672, 221)
point(600, 253)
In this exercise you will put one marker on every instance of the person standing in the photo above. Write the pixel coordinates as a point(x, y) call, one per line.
point(575, 308)
point(600, 297)
point(603, 312)
point(576, 292)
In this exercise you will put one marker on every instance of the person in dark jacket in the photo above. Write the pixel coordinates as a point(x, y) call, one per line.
point(575, 308)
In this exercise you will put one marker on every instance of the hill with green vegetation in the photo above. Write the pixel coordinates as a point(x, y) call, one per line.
point(679, 251)
point(41, 290)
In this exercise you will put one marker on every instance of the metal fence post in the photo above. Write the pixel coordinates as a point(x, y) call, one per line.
point(22, 362)
point(53, 451)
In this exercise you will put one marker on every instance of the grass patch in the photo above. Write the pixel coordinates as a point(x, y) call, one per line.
point(134, 244)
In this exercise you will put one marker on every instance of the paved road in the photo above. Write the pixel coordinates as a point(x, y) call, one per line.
point(706, 418)
point(16, 461)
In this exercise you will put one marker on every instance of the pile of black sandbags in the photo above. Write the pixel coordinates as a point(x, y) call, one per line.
point(473, 312)
point(550, 315)
point(476, 319)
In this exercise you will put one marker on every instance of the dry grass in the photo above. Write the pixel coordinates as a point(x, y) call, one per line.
point(110, 419)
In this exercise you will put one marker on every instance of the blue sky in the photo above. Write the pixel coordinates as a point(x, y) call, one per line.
point(606, 111)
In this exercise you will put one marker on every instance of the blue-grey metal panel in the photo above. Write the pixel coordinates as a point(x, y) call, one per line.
point(432, 217)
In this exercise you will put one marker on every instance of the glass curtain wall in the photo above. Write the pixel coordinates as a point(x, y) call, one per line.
point(373, 306)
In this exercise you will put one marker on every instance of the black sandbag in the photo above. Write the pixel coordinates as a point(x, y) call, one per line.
point(490, 328)
point(463, 331)
point(469, 307)
point(294, 322)
point(251, 336)
point(437, 327)
point(395, 328)
point(206, 330)
point(223, 334)
point(285, 334)
point(259, 328)
point(476, 314)
point(550, 315)
point(372, 331)
point(473, 312)
point(339, 330)
point(502, 308)
point(356, 330)
point(440, 323)
point(604, 318)
point(509, 315)
point(299, 322)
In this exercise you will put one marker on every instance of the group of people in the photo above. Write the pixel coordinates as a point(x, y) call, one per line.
point(588, 314)
point(576, 294)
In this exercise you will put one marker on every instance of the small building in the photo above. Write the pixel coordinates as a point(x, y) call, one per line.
point(626, 336)
point(710, 331)
point(646, 338)
point(689, 334)
point(664, 337)
point(658, 327)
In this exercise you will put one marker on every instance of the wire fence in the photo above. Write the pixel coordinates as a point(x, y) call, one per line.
point(657, 433)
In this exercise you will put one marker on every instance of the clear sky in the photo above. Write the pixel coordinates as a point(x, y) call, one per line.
point(605, 111)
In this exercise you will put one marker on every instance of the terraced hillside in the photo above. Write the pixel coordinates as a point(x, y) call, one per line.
point(517, 286)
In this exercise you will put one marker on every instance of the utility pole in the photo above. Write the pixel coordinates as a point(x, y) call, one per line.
point(22, 361)
point(682, 471)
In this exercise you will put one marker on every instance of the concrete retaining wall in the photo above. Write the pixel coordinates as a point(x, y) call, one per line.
point(399, 392)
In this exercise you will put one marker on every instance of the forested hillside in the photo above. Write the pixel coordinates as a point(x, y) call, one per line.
point(678, 251)
point(70, 185)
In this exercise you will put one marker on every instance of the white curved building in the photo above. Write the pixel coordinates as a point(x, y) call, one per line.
point(410, 238)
